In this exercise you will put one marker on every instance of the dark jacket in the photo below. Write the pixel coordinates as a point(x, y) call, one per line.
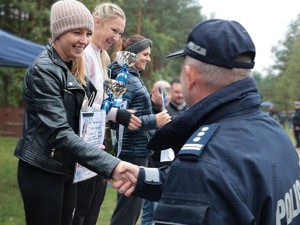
point(138, 99)
point(174, 111)
point(246, 173)
point(53, 99)
point(296, 118)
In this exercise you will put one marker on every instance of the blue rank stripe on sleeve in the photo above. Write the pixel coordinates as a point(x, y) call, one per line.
point(192, 149)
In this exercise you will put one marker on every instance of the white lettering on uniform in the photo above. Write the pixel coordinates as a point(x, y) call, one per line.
point(296, 187)
point(280, 211)
point(288, 204)
point(289, 207)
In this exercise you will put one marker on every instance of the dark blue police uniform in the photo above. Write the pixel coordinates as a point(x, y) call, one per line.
point(235, 165)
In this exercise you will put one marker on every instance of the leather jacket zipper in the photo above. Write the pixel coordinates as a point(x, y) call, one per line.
point(52, 153)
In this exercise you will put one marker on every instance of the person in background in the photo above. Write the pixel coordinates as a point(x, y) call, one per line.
point(134, 143)
point(160, 98)
point(296, 123)
point(109, 24)
point(271, 112)
point(282, 117)
point(234, 163)
point(177, 104)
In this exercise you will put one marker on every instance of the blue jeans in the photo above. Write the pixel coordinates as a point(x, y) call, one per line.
point(148, 212)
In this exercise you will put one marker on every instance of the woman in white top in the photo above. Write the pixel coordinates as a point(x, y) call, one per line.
point(109, 25)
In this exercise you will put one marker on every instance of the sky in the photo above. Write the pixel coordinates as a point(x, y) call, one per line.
point(265, 20)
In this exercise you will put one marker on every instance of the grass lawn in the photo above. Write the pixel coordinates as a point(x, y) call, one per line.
point(11, 208)
point(11, 205)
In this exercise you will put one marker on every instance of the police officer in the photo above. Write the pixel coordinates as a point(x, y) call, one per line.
point(234, 164)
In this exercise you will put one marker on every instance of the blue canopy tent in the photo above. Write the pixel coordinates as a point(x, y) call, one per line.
point(16, 51)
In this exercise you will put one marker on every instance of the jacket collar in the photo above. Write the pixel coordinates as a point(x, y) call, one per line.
point(115, 67)
point(71, 82)
point(235, 99)
point(55, 57)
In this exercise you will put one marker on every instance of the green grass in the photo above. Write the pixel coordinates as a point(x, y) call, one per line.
point(107, 207)
point(11, 205)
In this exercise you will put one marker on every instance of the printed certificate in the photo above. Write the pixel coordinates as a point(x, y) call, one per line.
point(91, 130)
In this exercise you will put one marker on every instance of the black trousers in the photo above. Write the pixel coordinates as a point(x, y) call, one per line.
point(48, 198)
point(297, 138)
point(90, 196)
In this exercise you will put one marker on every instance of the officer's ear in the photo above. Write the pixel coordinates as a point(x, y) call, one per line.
point(192, 76)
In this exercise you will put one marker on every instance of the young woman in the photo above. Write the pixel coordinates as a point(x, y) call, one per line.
point(109, 25)
point(134, 142)
point(54, 90)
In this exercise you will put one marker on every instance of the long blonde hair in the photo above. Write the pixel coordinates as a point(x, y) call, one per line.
point(78, 70)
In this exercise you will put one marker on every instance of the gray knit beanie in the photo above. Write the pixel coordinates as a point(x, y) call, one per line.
point(67, 15)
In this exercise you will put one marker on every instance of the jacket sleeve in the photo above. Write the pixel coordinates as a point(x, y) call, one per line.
point(296, 119)
point(150, 183)
point(149, 120)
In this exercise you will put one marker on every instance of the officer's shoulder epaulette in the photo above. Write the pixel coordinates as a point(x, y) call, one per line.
point(192, 149)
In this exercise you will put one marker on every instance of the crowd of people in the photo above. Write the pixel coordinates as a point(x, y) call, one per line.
point(196, 150)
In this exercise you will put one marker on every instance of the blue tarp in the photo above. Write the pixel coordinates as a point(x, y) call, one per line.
point(16, 51)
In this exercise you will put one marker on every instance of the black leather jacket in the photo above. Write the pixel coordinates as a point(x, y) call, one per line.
point(53, 99)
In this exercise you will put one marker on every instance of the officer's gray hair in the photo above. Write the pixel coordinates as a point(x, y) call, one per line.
point(217, 76)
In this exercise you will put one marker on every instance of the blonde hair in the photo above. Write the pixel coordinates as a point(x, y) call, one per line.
point(108, 10)
point(78, 70)
point(105, 59)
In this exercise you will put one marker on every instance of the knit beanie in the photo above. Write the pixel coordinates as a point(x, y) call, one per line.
point(67, 15)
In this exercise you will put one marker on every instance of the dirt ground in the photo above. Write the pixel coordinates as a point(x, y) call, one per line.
point(11, 121)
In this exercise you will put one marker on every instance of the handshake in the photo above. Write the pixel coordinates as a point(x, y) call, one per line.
point(124, 178)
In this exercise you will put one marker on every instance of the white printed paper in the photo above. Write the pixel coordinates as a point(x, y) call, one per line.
point(91, 130)
point(167, 155)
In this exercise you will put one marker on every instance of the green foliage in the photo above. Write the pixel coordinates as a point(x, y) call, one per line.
point(158, 20)
point(167, 26)
point(160, 24)
point(282, 84)
point(288, 83)
point(11, 86)
point(284, 47)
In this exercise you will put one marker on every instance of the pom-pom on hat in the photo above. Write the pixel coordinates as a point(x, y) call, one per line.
point(219, 42)
point(67, 15)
